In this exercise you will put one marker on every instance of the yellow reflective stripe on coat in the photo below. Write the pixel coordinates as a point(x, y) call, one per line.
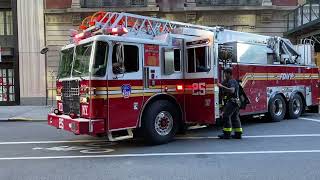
point(227, 129)
point(238, 129)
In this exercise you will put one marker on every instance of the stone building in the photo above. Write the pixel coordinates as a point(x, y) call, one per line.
point(9, 78)
point(35, 24)
point(22, 68)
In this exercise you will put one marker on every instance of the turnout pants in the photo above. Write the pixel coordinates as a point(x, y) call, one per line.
point(231, 118)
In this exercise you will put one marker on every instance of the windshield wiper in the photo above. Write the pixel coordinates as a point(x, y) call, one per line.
point(79, 74)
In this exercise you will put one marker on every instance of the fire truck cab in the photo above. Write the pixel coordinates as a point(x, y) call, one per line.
point(127, 72)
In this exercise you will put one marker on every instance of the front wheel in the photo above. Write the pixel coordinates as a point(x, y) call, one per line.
point(160, 122)
point(295, 107)
point(277, 108)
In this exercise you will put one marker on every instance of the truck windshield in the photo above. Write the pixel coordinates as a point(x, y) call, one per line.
point(82, 60)
point(76, 63)
point(65, 64)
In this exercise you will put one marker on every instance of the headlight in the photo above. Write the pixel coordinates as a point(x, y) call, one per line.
point(58, 98)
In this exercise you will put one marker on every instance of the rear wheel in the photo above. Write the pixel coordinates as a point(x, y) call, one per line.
point(160, 122)
point(295, 106)
point(277, 108)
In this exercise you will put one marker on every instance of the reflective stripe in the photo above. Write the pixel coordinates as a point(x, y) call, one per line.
point(238, 129)
point(227, 129)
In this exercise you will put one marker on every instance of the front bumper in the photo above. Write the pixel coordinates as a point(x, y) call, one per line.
point(77, 126)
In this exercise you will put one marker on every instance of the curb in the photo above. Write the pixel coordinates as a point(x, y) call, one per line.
point(19, 119)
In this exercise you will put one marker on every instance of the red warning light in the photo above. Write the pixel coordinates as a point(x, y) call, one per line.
point(116, 31)
point(180, 87)
point(79, 36)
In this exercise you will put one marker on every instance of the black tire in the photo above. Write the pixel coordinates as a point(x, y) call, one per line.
point(295, 107)
point(161, 111)
point(277, 108)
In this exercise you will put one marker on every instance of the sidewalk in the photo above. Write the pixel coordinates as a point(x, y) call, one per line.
point(24, 113)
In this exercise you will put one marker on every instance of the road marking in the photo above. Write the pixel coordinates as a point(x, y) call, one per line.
point(258, 136)
point(90, 148)
point(309, 119)
point(53, 142)
point(161, 154)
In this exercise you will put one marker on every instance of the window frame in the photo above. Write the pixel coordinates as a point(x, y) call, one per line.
point(106, 56)
point(164, 60)
point(180, 63)
point(207, 58)
point(5, 22)
point(114, 43)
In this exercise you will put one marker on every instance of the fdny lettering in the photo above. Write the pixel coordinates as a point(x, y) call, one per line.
point(286, 76)
point(84, 109)
point(126, 90)
point(199, 89)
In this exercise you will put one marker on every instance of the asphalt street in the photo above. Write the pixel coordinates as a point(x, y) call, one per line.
point(289, 149)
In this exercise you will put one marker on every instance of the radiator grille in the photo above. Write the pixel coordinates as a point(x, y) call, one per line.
point(71, 97)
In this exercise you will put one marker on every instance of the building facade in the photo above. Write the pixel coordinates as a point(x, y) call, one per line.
point(22, 67)
point(28, 78)
point(32, 64)
point(9, 61)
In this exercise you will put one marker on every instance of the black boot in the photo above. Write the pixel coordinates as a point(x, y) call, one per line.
point(237, 135)
point(225, 135)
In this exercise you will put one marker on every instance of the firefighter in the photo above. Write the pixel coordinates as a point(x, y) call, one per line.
point(230, 116)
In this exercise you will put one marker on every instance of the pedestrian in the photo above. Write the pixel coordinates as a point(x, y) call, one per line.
point(230, 116)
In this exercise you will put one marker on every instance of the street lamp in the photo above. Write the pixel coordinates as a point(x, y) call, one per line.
point(44, 50)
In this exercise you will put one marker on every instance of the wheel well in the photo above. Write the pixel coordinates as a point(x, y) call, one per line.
point(161, 97)
point(278, 93)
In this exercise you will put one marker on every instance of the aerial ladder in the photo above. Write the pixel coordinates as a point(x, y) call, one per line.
point(109, 22)
point(149, 27)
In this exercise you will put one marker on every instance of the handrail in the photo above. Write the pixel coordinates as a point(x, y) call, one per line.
point(303, 14)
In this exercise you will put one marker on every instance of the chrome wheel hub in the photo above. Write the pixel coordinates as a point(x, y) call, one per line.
point(278, 107)
point(296, 106)
point(163, 123)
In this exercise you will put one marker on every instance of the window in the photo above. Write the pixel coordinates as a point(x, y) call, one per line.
point(100, 61)
point(6, 25)
point(198, 59)
point(177, 60)
point(2, 23)
point(7, 92)
point(125, 59)
point(172, 61)
point(82, 60)
point(65, 64)
point(9, 24)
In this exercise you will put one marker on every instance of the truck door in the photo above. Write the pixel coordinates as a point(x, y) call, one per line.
point(125, 86)
point(199, 82)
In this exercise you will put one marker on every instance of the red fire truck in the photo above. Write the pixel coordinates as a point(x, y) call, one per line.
point(125, 72)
